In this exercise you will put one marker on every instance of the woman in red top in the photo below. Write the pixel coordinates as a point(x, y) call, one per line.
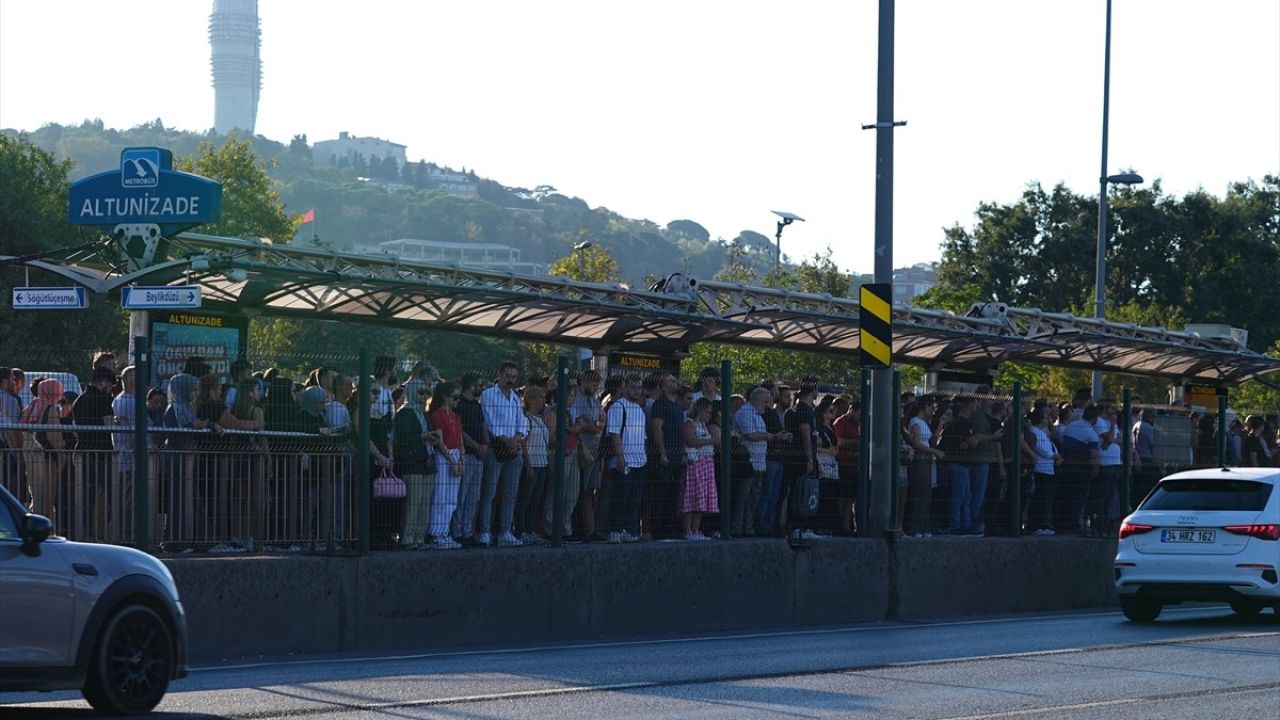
point(445, 419)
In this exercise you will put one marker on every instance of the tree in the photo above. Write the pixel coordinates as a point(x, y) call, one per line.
point(33, 219)
point(298, 147)
point(593, 263)
point(251, 205)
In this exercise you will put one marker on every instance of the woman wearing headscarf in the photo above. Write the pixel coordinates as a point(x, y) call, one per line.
point(45, 449)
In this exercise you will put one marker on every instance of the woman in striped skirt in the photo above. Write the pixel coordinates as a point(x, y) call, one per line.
point(699, 495)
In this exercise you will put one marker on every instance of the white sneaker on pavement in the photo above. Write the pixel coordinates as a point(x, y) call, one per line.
point(615, 538)
point(506, 539)
point(445, 542)
point(485, 539)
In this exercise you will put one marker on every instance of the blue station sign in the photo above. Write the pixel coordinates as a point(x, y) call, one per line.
point(145, 190)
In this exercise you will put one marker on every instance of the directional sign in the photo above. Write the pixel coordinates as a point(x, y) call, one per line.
point(50, 298)
point(875, 325)
point(164, 297)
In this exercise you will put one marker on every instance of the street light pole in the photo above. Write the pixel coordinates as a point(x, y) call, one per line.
point(1100, 280)
point(578, 250)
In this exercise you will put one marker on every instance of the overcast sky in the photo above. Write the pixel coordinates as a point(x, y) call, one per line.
point(713, 111)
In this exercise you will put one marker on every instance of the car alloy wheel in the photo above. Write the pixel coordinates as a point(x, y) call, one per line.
point(131, 664)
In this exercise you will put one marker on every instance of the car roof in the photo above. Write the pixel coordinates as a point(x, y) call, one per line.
point(1257, 474)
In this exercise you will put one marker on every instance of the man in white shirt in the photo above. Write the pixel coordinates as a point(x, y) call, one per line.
point(124, 409)
point(508, 426)
point(709, 385)
point(625, 430)
point(1110, 465)
point(749, 422)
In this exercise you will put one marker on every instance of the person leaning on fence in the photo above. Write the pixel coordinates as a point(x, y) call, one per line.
point(449, 463)
point(508, 428)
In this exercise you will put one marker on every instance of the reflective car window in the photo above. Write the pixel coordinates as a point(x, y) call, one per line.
point(8, 526)
point(1208, 494)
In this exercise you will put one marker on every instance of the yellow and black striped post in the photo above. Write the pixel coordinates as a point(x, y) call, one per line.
point(875, 322)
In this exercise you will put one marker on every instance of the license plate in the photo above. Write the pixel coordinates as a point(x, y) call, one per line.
point(1187, 536)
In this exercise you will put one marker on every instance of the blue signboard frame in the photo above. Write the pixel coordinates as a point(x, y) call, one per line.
point(145, 190)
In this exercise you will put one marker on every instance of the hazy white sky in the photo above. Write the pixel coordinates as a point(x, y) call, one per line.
point(708, 110)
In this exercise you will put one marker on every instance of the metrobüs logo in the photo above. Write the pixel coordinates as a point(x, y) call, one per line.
point(140, 168)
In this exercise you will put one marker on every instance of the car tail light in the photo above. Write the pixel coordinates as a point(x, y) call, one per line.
point(1127, 529)
point(1262, 532)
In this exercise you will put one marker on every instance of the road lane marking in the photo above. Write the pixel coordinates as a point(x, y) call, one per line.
point(1112, 703)
point(660, 641)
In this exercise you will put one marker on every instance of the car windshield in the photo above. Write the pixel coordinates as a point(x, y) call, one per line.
point(1208, 494)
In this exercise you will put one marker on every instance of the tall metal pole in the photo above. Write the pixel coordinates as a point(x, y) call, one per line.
point(726, 449)
point(883, 447)
point(363, 456)
point(1100, 281)
point(562, 440)
point(142, 510)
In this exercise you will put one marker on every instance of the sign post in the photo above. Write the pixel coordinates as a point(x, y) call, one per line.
point(163, 297)
point(50, 298)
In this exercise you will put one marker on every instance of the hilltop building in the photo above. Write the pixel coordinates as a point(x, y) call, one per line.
point(347, 146)
point(235, 39)
point(483, 256)
point(912, 281)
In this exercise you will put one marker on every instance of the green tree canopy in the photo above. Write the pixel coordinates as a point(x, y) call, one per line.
point(251, 205)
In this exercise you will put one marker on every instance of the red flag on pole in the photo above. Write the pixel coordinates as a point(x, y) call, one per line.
point(309, 216)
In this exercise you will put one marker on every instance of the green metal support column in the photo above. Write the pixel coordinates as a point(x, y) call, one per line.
point(1015, 474)
point(726, 448)
point(895, 487)
point(142, 514)
point(557, 458)
point(364, 489)
point(1222, 431)
point(1126, 451)
point(864, 454)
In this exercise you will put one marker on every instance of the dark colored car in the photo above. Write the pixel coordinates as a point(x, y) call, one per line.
point(103, 619)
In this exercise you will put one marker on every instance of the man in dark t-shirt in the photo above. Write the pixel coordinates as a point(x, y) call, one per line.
point(475, 446)
point(666, 434)
point(93, 408)
point(957, 443)
point(801, 422)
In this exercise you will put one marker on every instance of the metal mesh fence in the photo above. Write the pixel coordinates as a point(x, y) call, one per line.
point(268, 454)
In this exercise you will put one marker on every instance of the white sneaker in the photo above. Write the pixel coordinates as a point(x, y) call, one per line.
point(447, 543)
point(506, 539)
point(615, 538)
point(809, 535)
point(627, 537)
point(1044, 532)
point(485, 539)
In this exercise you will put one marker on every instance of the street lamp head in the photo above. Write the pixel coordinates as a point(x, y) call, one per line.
point(787, 218)
point(583, 245)
point(1125, 179)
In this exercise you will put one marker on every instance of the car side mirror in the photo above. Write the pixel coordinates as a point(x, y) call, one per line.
point(35, 530)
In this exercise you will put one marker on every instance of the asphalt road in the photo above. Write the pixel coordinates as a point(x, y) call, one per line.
point(1195, 663)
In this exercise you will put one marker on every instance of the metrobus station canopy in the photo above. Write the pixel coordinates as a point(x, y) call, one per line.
point(251, 276)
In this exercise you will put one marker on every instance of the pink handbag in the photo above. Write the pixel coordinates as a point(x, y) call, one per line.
point(388, 486)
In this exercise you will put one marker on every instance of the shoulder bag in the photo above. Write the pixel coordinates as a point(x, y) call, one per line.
point(388, 486)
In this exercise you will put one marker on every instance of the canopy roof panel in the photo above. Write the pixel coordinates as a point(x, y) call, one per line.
point(253, 276)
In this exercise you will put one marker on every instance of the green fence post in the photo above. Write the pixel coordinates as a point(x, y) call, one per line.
point(895, 489)
point(1126, 450)
point(1015, 479)
point(726, 448)
point(864, 453)
point(1222, 431)
point(364, 491)
point(562, 439)
point(142, 514)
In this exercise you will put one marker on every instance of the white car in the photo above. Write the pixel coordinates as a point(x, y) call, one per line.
point(1202, 536)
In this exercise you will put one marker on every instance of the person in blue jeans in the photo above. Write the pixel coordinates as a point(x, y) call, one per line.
point(957, 443)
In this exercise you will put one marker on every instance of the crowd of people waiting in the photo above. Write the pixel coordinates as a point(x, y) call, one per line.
point(642, 457)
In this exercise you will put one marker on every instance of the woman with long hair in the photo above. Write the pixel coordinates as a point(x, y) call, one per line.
point(444, 416)
point(46, 454)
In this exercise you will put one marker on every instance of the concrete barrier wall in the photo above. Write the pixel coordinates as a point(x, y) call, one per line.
point(249, 606)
